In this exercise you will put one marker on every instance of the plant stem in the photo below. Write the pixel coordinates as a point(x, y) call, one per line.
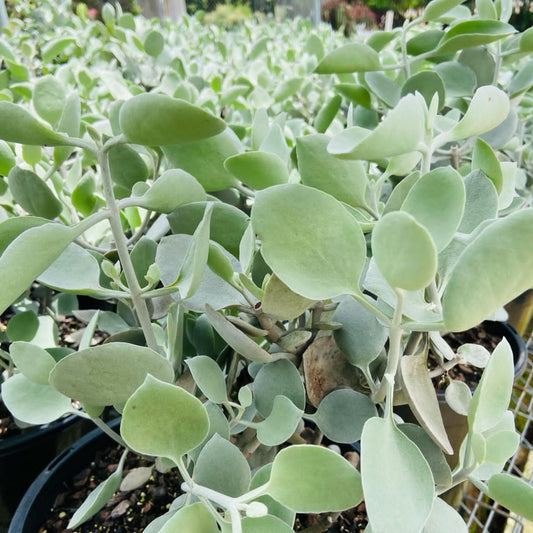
point(108, 431)
point(122, 248)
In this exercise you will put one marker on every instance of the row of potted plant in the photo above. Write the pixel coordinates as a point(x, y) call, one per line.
point(294, 262)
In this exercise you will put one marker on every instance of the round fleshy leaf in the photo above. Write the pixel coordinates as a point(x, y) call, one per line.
point(458, 396)
point(309, 240)
point(437, 202)
point(209, 378)
point(354, 57)
point(280, 424)
point(195, 518)
point(512, 493)
point(265, 524)
point(7, 159)
point(48, 98)
point(400, 132)
point(397, 481)
point(126, 166)
point(221, 466)
point(32, 194)
point(475, 354)
point(342, 414)
point(344, 180)
point(258, 170)
point(18, 126)
point(362, 336)
point(278, 300)
point(154, 43)
point(312, 479)
point(484, 159)
point(163, 419)
point(23, 327)
point(444, 518)
point(404, 251)
point(108, 374)
point(34, 362)
point(205, 158)
point(436, 8)
point(33, 403)
point(507, 271)
point(427, 83)
point(279, 378)
point(157, 120)
point(459, 80)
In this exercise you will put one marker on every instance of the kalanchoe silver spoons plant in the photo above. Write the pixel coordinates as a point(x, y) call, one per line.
point(341, 285)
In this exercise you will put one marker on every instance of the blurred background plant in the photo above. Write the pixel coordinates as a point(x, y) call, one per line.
point(346, 15)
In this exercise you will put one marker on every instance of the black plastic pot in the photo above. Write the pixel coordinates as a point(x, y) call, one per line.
point(41, 494)
point(23, 456)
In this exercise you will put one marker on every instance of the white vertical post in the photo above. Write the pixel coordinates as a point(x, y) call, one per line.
point(4, 21)
point(317, 16)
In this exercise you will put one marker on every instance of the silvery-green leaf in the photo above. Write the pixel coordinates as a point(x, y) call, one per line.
point(208, 377)
point(385, 88)
point(34, 362)
point(313, 479)
point(172, 189)
point(275, 143)
point(204, 159)
point(264, 524)
point(443, 519)
point(48, 98)
point(433, 454)
point(397, 482)
point(522, 80)
point(475, 354)
point(258, 170)
point(218, 425)
point(481, 201)
point(342, 414)
point(23, 327)
point(222, 467)
point(484, 159)
point(512, 493)
point(345, 180)
point(309, 240)
point(245, 396)
point(437, 202)
point(362, 336)
point(74, 270)
point(33, 403)
point(481, 61)
point(459, 80)
point(400, 132)
point(69, 123)
point(278, 300)
point(436, 8)
point(43, 244)
point(108, 374)
point(399, 165)
point(195, 518)
point(458, 396)
point(354, 57)
point(163, 419)
point(489, 108)
point(327, 113)
point(404, 251)
point(400, 192)
point(492, 395)
point(427, 83)
point(423, 399)
point(507, 271)
point(279, 378)
point(508, 192)
point(280, 424)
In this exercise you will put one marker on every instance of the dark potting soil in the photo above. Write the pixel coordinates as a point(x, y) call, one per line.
point(127, 512)
point(477, 335)
point(131, 511)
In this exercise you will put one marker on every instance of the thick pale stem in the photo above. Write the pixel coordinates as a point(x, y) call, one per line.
point(108, 431)
point(122, 248)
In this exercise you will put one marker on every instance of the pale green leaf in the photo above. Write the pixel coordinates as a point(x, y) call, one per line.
point(43, 244)
point(327, 113)
point(522, 80)
point(208, 377)
point(221, 466)
point(278, 300)
point(397, 481)
point(265, 524)
point(280, 424)
point(459, 79)
point(400, 132)
point(344, 180)
point(436, 8)
point(384, 88)
point(481, 201)
point(309, 240)
point(354, 57)
point(195, 518)
point(204, 159)
point(493, 394)
point(444, 519)
point(507, 271)
point(512, 493)
point(22, 327)
point(437, 202)
point(157, 120)
point(69, 123)
point(108, 374)
point(34, 362)
point(312, 479)
point(54, 47)
point(163, 419)
point(484, 159)
point(279, 378)
point(458, 396)
point(48, 98)
point(342, 414)
point(404, 251)
point(258, 170)
point(33, 403)
point(126, 166)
